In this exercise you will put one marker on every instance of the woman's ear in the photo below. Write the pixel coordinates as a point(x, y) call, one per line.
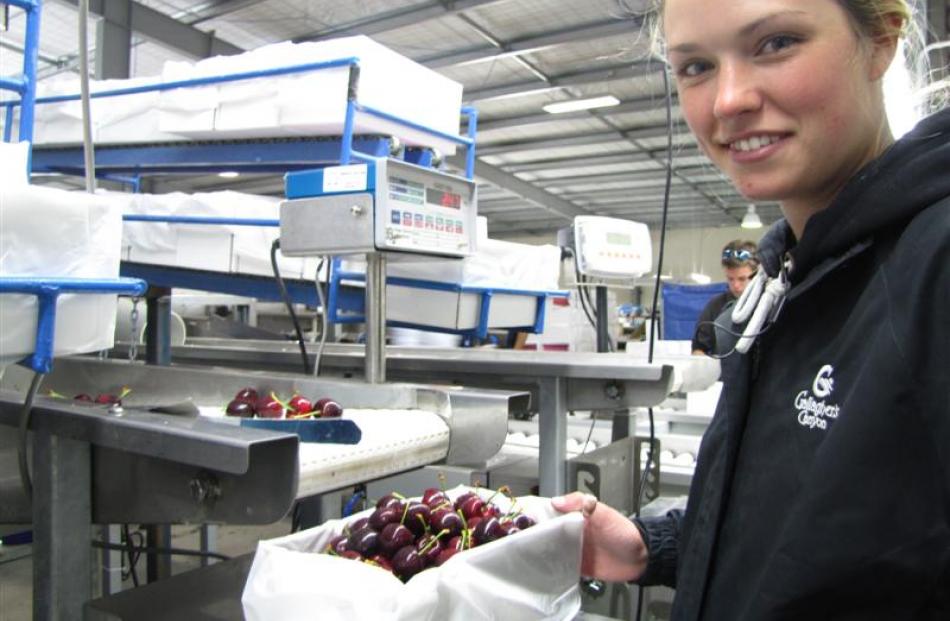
point(884, 45)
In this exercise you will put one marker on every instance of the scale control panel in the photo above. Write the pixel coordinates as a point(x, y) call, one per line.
point(385, 205)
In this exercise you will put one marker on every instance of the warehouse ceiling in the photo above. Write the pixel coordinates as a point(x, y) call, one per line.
point(536, 170)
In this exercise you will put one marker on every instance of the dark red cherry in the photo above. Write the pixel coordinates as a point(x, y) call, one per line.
point(417, 518)
point(487, 530)
point(464, 497)
point(444, 555)
point(472, 507)
point(428, 548)
point(331, 409)
point(523, 521)
point(299, 405)
point(83, 397)
point(246, 394)
point(445, 519)
point(269, 407)
point(388, 500)
point(242, 409)
point(365, 541)
point(407, 562)
point(434, 497)
point(393, 537)
point(337, 545)
point(387, 515)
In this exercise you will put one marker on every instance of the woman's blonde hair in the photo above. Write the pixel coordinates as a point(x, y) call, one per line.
point(870, 19)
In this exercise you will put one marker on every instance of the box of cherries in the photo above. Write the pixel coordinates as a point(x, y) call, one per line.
point(465, 553)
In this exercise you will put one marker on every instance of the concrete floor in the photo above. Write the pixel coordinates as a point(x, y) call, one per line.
point(16, 564)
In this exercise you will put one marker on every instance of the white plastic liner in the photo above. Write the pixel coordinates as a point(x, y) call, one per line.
point(533, 574)
point(47, 232)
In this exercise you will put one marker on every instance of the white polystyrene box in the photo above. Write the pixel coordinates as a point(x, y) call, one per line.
point(15, 157)
point(219, 248)
point(56, 233)
point(532, 575)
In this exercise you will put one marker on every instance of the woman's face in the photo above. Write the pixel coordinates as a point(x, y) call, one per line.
point(779, 93)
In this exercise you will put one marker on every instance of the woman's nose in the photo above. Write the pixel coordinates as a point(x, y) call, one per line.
point(736, 92)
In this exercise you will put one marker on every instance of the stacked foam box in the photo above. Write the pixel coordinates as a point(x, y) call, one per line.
point(45, 232)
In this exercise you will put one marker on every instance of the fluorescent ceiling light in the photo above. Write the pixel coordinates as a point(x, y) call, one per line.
point(581, 104)
point(229, 174)
point(751, 219)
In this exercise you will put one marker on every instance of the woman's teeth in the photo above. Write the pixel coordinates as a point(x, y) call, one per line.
point(753, 143)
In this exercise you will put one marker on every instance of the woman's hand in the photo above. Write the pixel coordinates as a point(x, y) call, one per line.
point(613, 548)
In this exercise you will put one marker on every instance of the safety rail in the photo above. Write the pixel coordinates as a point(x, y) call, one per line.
point(47, 291)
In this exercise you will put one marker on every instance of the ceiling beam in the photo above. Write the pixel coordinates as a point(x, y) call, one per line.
point(577, 140)
point(168, 31)
point(531, 193)
point(624, 107)
point(527, 45)
point(397, 18)
point(625, 71)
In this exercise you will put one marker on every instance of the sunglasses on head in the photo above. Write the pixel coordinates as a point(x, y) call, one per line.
point(739, 255)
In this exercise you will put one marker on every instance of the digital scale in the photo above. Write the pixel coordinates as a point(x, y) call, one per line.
point(381, 206)
point(611, 248)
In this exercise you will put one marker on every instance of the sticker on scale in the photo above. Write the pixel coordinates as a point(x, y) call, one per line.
point(344, 178)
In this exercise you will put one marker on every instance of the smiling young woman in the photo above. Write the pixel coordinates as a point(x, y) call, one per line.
point(822, 486)
point(784, 97)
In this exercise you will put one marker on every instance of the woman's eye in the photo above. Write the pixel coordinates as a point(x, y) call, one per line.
point(693, 68)
point(777, 44)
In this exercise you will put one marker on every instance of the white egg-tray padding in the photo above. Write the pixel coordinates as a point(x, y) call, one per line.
point(533, 574)
point(393, 441)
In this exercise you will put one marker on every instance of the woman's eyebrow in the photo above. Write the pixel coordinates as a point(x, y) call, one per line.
point(745, 31)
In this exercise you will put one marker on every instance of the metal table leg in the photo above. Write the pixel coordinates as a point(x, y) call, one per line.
point(62, 522)
point(552, 462)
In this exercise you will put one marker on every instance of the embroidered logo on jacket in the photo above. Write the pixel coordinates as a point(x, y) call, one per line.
point(814, 411)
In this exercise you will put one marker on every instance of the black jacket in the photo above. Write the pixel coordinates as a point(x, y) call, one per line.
point(822, 487)
point(704, 339)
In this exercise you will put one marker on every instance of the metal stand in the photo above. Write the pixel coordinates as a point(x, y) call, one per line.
point(375, 318)
point(620, 420)
point(552, 462)
point(62, 521)
point(158, 352)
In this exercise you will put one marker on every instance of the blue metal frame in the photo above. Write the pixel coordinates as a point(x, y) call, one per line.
point(24, 84)
point(47, 290)
point(339, 299)
point(259, 287)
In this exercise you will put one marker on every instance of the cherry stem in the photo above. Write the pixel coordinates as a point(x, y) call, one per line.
point(286, 406)
point(124, 393)
point(52, 393)
point(504, 489)
point(432, 542)
point(405, 511)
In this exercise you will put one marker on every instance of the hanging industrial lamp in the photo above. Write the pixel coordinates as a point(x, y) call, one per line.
point(751, 219)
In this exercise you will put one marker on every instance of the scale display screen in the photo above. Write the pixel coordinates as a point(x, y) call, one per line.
point(619, 239)
point(443, 198)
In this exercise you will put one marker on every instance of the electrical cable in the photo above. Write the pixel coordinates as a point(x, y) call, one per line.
point(25, 413)
point(323, 324)
point(285, 296)
point(656, 293)
point(132, 553)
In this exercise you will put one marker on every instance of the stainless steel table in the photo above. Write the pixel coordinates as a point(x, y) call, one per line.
point(558, 381)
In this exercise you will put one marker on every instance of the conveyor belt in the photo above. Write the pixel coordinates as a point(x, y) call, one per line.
point(392, 441)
